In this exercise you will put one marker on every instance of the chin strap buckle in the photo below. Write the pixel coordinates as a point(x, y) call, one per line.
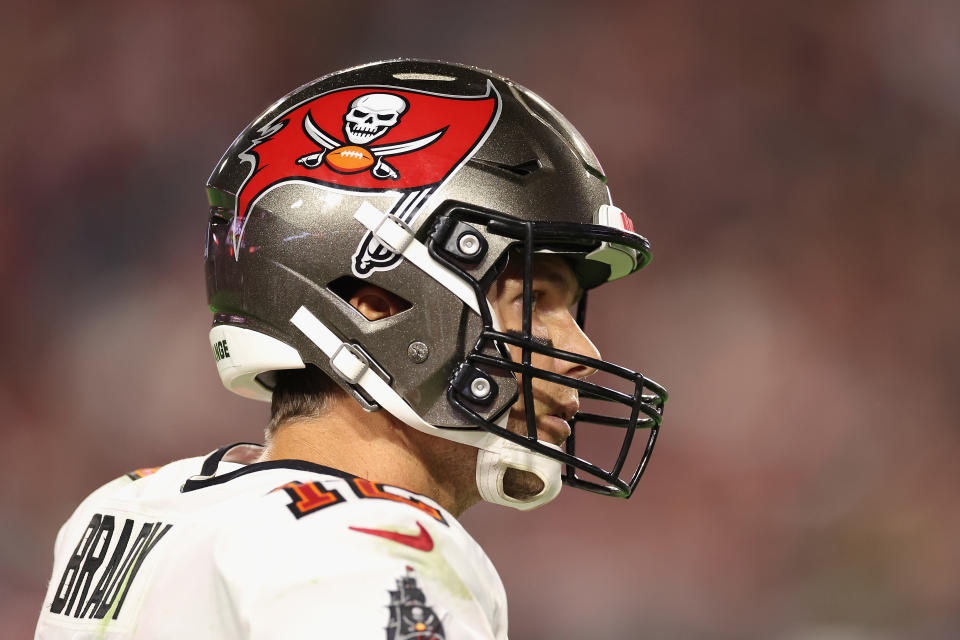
point(349, 362)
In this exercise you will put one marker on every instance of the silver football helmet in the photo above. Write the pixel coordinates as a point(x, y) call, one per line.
point(423, 178)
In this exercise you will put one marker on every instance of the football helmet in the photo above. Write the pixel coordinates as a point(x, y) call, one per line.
point(423, 178)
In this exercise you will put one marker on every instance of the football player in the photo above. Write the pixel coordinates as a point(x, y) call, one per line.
point(398, 258)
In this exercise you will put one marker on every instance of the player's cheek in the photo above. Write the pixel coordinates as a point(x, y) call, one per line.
point(543, 323)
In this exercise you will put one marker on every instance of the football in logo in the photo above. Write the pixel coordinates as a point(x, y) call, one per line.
point(350, 159)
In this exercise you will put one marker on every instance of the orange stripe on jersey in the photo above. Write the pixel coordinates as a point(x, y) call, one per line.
point(290, 485)
point(367, 489)
point(141, 473)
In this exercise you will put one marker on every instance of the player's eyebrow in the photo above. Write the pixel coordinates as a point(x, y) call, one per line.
point(543, 342)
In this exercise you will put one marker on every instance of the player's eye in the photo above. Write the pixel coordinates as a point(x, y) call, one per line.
point(534, 297)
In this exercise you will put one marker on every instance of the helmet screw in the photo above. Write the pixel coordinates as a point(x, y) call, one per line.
point(480, 388)
point(469, 244)
point(418, 351)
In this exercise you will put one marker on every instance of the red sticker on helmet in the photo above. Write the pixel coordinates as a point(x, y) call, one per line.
point(371, 138)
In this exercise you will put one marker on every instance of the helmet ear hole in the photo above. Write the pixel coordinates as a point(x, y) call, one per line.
point(347, 288)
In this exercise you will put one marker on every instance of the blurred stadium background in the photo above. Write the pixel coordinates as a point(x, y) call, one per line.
point(793, 163)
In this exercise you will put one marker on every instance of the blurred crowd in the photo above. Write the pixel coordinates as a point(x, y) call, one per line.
point(793, 165)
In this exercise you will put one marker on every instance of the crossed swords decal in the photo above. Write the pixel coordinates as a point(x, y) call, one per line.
point(381, 169)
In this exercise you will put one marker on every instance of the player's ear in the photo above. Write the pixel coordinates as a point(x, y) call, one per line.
point(376, 303)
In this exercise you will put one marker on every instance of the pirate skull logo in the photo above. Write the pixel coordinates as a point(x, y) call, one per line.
point(372, 115)
point(369, 117)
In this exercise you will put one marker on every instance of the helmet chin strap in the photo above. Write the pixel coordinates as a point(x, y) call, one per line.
point(495, 454)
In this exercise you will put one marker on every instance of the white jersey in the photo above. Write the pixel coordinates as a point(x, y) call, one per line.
point(208, 548)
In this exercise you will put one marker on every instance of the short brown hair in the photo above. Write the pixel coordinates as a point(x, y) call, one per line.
point(299, 393)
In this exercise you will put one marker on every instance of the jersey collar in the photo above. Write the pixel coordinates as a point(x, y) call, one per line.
point(208, 478)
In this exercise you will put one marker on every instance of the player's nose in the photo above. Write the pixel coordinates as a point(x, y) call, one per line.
point(570, 337)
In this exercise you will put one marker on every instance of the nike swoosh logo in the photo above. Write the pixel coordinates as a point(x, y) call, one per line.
point(422, 541)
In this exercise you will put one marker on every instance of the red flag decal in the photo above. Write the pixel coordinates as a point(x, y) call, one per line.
point(368, 138)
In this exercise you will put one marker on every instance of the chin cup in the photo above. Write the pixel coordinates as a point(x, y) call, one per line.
point(492, 465)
